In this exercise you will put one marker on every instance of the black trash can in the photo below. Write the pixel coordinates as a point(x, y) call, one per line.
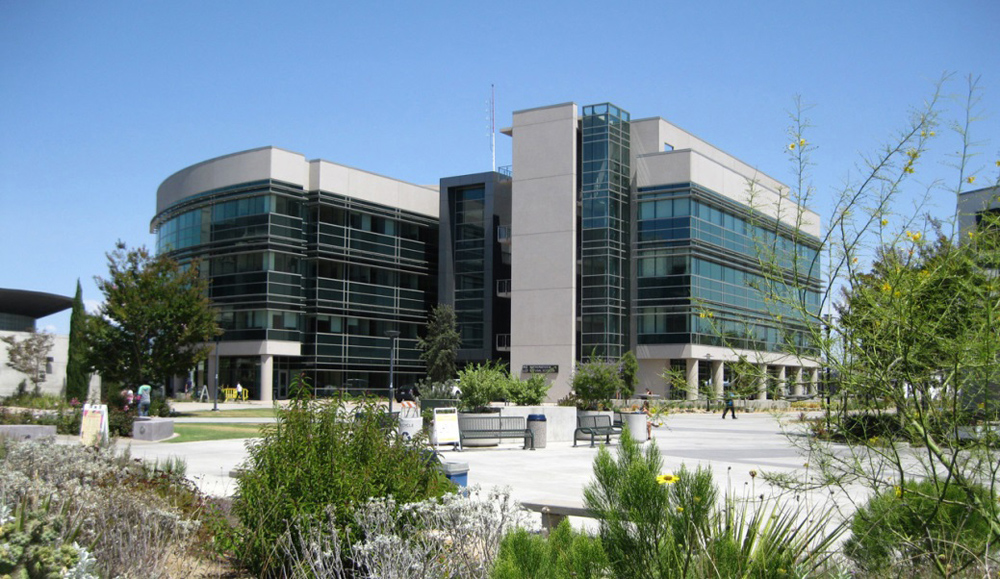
point(538, 426)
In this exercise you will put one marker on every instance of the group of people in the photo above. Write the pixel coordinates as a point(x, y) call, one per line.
point(144, 398)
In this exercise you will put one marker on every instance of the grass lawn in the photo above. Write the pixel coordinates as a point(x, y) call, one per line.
point(199, 432)
point(238, 413)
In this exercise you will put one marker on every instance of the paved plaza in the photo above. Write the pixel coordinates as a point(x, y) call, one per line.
point(557, 474)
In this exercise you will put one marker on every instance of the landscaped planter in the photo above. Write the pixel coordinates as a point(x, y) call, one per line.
point(561, 420)
point(432, 403)
point(636, 422)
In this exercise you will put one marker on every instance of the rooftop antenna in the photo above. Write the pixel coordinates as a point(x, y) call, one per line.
point(493, 132)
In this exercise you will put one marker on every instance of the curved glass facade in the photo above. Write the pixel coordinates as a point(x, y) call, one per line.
point(321, 269)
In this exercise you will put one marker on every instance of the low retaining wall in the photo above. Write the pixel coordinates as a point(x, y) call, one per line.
point(560, 421)
point(152, 428)
point(26, 431)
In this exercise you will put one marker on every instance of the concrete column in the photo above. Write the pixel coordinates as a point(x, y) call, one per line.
point(717, 378)
point(266, 378)
point(814, 381)
point(797, 388)
point(210, 371)
point(782, 379)
point(762, 383)
point(692, 378)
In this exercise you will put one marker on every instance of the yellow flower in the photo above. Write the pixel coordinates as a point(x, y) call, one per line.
point(933, 133)
point(680, 509)
point(908, 169)
point(899, 491)
point(802, 142)
point(667, 479)
point(886, 287)
point(981, 405)
point(998, 163)
point(885, 222)
point(701, 315)
point(697, 499)
point(791, 146)
point(855, 260)
point(971, 179)
point(923, 133)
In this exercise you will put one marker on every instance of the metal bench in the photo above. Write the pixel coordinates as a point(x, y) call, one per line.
point(596, 425)
point(472, 427)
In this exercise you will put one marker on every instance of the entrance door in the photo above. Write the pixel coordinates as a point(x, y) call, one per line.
point(282, 388)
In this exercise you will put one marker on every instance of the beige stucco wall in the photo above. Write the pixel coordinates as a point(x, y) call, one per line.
point(54, 382)
point(543, 247)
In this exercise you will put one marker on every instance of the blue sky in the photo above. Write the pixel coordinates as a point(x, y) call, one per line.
point(102, 101)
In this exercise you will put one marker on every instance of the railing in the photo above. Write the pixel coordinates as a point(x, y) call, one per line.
point(506, 170)
point(503, 342)
point(503, 288)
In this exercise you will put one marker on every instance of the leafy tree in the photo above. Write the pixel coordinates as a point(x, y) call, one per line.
point(595, 383)
point(439, 348)
point(155, 320)
point(29, 356)
point(629, 368)
point(77, 377)
point(914, 343)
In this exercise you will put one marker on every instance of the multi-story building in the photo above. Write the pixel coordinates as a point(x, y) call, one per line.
point(636, 235)
point(608, 235)
point(310, 264)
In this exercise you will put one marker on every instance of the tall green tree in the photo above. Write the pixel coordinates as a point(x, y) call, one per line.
point(629, 368)
point(155, 321)
point(439, 348)
point(29, 356)
point(77, 377)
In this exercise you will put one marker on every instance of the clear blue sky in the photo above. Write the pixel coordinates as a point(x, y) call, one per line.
point(102, 101)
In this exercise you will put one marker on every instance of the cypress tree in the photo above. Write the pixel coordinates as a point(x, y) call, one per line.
point(77, 377)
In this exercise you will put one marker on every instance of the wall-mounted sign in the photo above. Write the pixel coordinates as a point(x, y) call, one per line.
point(540, 369)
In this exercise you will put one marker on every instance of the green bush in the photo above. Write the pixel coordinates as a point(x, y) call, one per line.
point(563, 554)
point(530, 392)
point(669, 525)
point(595, 383)
point(482, 384)
point(323, 455)
point(866, 426)
point(918, 524)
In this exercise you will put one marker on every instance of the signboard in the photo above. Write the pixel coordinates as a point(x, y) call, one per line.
point(446, 426)
point(540, 369)
point(94, 425)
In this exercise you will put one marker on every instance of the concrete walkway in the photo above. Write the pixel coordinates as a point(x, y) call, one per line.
point(558, 474)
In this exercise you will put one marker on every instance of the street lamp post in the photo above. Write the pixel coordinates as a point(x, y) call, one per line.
point(215, 403)
point(392, 334)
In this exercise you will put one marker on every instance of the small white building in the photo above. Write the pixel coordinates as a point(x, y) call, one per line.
point(19, 312)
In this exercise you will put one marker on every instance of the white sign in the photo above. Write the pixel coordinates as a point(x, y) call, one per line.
point(446, 426)
point(94, 425)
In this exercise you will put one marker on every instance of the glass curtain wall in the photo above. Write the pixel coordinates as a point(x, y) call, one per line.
point(604, 233)
point(469, 229)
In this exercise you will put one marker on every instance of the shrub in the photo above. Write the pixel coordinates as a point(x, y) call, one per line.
point(866, 426)
point(918, 524)
point(669, 525)
point(482, 384)
point(595, 383)
point(453, 536)
point(74, 493)
point(322, 454)
point(564, 553)
point(530, 392)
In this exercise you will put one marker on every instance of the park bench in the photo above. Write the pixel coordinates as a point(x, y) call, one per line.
point(500, 427)
point(552, 514)
point(596, 425)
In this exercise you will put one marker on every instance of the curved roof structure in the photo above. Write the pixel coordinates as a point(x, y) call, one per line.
point(32, 304)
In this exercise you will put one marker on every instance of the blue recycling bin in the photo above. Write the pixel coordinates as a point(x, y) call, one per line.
point(457, 472)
